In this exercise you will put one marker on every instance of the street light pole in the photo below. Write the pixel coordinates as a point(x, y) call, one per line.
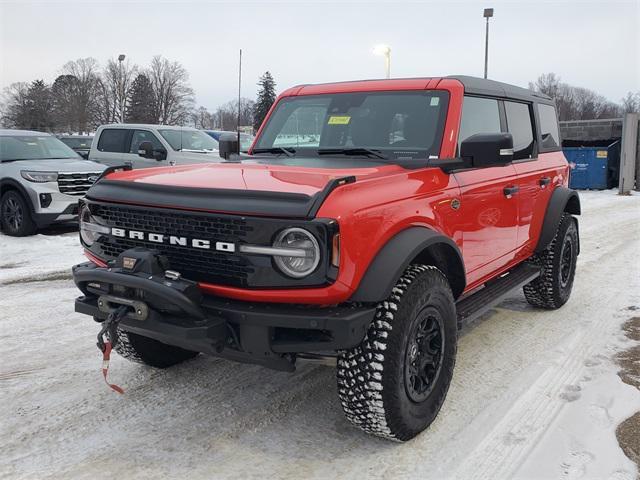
point(488, 13)
point(121, 58)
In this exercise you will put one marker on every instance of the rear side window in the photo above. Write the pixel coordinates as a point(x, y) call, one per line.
point(113, 140)
point(548, 126)
point(479, 115)
point(520, 127)
point(140, 136)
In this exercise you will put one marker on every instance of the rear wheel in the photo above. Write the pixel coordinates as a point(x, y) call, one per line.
point(15, 215)
point(393, 384)
point(553, 287)
point(146, 350)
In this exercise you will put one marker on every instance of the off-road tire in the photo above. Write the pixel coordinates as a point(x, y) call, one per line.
point(148, 351)
point(552, 288)
point(12, 204)
point(371, 377)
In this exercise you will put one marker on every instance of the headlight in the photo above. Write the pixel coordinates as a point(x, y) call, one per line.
point(39, 177)
point(306, 249)
point(89, 229)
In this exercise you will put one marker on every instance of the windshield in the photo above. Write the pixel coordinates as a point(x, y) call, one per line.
point(189, 140)
point(389, 125)
point(83, 143)
point(33, 147)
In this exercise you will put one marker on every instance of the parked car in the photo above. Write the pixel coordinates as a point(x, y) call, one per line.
point(418, 206)
point(245, 139)
point(81, 144)
point(41, 180)
point(144, 146)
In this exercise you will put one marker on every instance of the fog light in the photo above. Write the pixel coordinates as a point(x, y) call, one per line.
point(45, 200)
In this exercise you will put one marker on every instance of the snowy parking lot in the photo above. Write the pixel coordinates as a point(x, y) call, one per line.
point(535, 394)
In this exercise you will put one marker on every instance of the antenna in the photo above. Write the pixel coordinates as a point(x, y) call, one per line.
point(239, 85)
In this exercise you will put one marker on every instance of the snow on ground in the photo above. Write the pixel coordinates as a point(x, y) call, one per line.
point(535, 393)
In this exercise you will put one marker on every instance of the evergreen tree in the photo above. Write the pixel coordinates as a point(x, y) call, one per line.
point(39, 106)
point(266, 98)
point(141, 106)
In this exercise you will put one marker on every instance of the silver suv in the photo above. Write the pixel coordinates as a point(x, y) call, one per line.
point(41, 180)
point(144, 146)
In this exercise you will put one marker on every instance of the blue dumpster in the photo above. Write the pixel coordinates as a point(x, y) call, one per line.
point(593, 167)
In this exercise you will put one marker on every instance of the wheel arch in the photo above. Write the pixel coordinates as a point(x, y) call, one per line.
point(8, 184)
point(412, 245)
point(563, 200)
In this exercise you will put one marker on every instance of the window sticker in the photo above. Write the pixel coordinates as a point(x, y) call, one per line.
point(339, 120)
point(601, 154)
point(435, 101)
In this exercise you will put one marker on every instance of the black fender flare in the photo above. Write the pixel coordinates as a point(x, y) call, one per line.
point(406, 247)
point(562, 200)
point(10, 184)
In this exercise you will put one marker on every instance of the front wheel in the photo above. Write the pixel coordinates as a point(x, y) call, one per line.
point(553, 287)
point(15, 215)
point(393, 384)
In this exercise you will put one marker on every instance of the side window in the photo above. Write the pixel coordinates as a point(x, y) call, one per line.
point(113, 140)
point(520, 127)
point(140, 136)
point(479, 115)
point(548, 126)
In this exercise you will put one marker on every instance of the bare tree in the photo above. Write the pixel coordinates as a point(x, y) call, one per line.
point(15, 100)
point(202, 118)
point(574, 103)
point(86, 90)
point(631, 102)
point(226, 115)
point(173, 94)
point(117, 79)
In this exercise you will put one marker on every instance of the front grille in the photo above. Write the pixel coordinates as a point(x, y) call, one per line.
point(199, 265)
point(76, 184)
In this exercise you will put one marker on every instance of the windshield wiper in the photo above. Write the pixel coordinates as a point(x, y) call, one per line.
point(288, 151)
point(353, 151)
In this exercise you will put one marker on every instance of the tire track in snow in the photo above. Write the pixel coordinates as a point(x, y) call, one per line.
point(503, 450)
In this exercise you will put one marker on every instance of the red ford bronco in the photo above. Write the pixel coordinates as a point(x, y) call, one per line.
point(368, 223)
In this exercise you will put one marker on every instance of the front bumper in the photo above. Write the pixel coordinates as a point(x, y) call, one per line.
point(265, 334)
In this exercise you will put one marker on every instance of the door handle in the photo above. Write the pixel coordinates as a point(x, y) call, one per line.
point(508, 191)
point(544, 182)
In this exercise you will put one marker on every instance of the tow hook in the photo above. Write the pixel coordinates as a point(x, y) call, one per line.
point(110, 326)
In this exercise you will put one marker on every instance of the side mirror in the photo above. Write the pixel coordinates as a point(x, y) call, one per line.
point(488, 150)
point(227, 145)
point(145, 150)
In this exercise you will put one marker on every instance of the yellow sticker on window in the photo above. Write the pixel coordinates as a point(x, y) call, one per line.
point(601, 154)
point(339, 120)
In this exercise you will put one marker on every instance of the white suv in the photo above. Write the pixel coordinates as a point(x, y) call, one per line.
point(144, 146)
point(41, 180)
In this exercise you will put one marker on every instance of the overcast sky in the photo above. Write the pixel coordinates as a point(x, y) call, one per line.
point(590, 44)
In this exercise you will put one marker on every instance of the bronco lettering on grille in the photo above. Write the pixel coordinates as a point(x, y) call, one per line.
point(174, 240)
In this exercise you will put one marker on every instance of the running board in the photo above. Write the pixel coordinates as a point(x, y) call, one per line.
point(472, 306)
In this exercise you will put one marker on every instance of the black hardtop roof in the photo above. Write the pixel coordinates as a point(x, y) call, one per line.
point(483, 86)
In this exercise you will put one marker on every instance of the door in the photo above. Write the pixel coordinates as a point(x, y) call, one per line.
point(136, 160)
point(538, 162)
point(111, 146)
point(534, 174)
point(489, 199)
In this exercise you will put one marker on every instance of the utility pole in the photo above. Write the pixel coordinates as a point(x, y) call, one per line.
point(488, 13)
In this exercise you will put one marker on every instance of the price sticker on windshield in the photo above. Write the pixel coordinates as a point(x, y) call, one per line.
point(339, 120)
